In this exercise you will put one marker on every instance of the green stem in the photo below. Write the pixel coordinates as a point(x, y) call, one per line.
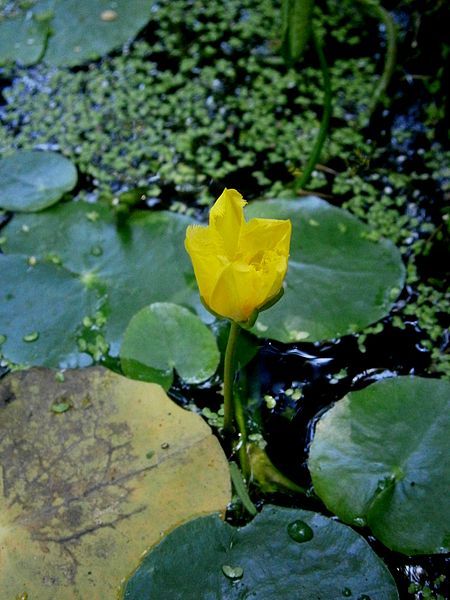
point(242, 426)
point(324, 124)
point(391, 50)
point(228, 378)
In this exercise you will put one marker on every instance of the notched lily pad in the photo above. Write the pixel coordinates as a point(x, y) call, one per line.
point(207, 558)
point(33, 180)
point(116, 270)
point(163, 337)
point(338, 280)
point(84, 491)
point(379, 457)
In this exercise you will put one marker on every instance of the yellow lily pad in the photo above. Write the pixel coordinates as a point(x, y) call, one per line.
point(85, 491)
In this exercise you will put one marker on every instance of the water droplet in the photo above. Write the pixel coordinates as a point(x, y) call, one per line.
point(347, 592)
point(25, 228)
point(232, 572)
point(96, 250)
point(31, 337)
point(108, 15)
point(300, 531)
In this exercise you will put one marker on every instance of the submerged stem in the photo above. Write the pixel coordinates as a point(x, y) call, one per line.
point(228, 378)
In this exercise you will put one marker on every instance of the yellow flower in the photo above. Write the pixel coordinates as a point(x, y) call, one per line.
point(239, 265)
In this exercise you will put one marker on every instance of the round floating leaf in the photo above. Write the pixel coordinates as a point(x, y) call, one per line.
point(22, 40)
point(338, 280)
point(88, 29)
point(125, 267)
point(379, 456)
point(163, 337)
point(94, 467)
point(208, 558)
point(41, 308)
point(33, 180)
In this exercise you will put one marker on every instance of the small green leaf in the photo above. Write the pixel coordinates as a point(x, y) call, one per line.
point(163, 337)
point(60, 407)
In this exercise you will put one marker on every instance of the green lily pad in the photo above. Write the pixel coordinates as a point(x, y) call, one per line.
point(119, 268)
point(22, 40)
point(338, 281)
point(94, 467)
point(379, 457)
point(269, 558)
point(33, 180)
point(84, 30)
point(163, 337)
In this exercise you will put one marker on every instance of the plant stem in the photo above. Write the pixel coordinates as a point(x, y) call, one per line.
point(242, 427)
point(391, 51)
point(324, 124)
point(228, 378)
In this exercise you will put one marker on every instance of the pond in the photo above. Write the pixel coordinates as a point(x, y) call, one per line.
point(186, 424)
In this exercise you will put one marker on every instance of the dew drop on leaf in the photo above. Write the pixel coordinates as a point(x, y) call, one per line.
point(300, 532)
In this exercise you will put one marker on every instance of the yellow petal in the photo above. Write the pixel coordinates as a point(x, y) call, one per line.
point(260, 235)
point(205, 249)
point(239, 266)
point(241, 289)
point(227, 218)
point(233, 294)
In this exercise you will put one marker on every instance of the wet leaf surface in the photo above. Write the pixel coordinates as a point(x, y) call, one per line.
point(41, 308)
point(338, 281)
point(84, 491)
point(378, 457)
point(22, 40)
point(207, 558)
